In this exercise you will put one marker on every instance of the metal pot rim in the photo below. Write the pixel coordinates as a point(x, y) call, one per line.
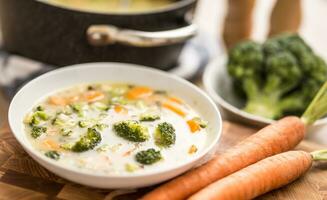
point(172, 7)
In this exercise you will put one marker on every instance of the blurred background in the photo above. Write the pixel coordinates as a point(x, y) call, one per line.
point(211, 15)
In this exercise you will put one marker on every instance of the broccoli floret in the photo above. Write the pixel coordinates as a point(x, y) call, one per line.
point(57, 122)
point(37, 117)
point(280, 78)
point(67, 146)
point(201, 122)
point(132, 131)
point(282, 75)
point(53, 155)
point(148, 157)
point(42, 115)
point(245, 66)
point(272, 46)
point(315, 70)
point(164, 135)
point(63, 120)
point(34, 121)
point(39, 108)
point(37, 131)
point(100, 127)
point(149, 117)
point(245, 61)
point(87, 142)
point(65, 132)
point(78, 109)
point(293, 43)
point(314, 67)
point(83, 124)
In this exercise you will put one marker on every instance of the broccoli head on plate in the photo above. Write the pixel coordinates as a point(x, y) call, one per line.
point(277, 78)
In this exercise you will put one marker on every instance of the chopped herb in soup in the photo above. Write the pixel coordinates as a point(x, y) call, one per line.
point(120, 6)
point(115, 128)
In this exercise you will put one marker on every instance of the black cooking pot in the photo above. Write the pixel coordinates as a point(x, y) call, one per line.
point(63, 36)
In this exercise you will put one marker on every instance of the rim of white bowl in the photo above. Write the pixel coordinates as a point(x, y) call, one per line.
point(53, 163)
point(211, 71)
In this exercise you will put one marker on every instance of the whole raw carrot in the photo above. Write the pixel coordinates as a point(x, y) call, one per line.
point(266, 175)
point(281, 136)
point(278, 137)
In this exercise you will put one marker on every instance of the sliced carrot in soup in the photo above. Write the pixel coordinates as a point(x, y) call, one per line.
point(193, 125)
point(175, 109)
point(120, 109)
point(176, 100)
point(51, 144)
point(139, 92)
point(57, 101)
point(73, 99)
point(92, 96)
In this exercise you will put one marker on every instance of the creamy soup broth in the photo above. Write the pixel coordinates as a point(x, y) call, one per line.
point(61, 125)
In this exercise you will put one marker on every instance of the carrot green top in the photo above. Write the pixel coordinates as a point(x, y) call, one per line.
point(317, 108)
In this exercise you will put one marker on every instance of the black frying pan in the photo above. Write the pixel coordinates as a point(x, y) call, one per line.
point(61, 36)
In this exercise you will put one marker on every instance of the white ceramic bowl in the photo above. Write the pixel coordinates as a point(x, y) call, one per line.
point(218, 84)
point(28, 96)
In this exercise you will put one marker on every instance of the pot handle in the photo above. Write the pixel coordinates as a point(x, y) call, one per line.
point(102, 35)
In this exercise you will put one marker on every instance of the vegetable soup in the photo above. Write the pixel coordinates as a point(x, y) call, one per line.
point(114, 6)
point(109, 128)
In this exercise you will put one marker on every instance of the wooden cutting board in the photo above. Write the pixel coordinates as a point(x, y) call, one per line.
point(22, 178)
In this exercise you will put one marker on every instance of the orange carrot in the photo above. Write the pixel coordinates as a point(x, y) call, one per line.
point(73, 99)
point(120, 109)
point(62, 101)
point(278, 137)
point(57, 101)
point(51, 144)
point(193, 125)
point(259, 178)
point(139, 92)
point(175, 109)
point(93, 95)
point(176, 100)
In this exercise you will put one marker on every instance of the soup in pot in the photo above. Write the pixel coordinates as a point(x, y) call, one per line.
point(113, 6)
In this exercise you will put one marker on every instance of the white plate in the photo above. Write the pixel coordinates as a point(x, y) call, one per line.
point(26, 98)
